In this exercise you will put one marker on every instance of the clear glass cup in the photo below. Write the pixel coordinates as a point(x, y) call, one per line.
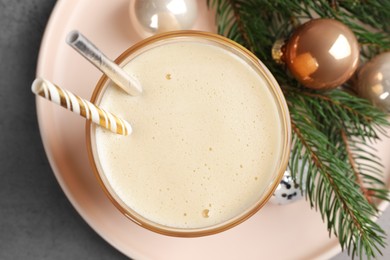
point(271, 86)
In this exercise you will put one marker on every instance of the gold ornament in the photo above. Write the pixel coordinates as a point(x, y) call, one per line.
point(321, 54)
point(373, 81)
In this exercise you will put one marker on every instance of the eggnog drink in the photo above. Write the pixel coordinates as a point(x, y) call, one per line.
point(209, 137)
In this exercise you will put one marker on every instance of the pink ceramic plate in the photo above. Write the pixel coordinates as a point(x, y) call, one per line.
point(276, 232)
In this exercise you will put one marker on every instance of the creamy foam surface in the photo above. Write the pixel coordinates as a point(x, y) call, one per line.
point(207, 136)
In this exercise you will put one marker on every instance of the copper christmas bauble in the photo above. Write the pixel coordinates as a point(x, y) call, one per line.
point(322, 54)
point(373, 81)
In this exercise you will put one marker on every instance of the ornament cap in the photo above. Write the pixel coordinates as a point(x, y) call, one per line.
point(277, 51)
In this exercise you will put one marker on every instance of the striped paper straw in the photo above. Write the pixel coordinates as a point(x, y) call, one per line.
point(89, 51)
point(80, 106)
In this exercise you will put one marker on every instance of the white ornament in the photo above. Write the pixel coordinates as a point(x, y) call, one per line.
point(150, 17)
point(289, 190)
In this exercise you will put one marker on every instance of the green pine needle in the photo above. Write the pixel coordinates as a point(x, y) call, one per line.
point(333, 131)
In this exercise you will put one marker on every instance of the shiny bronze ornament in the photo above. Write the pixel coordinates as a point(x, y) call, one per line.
point(373, 81)
point(321, 54)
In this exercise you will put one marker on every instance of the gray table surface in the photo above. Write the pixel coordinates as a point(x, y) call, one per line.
point(36, 219)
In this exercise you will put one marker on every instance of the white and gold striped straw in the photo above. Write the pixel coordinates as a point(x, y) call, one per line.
point(80, 106)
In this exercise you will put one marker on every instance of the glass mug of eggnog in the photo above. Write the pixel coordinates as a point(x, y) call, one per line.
point(210, 141)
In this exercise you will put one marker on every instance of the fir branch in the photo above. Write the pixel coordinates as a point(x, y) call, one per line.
point(332, 186)
point(375, 13)
point(236, 7)
point(332, 131)
point(330, 113)
point(352, 162)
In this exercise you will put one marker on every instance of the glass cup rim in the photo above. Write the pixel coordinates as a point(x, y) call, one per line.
point(284, 120)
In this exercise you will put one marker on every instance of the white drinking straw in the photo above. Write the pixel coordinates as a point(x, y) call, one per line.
point(80, 106)
point(87, 49)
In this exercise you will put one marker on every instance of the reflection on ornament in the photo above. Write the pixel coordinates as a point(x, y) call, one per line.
point(156, 16)
point(341, 48)
point(321, 54)
point(373, 81)
point(305, 65)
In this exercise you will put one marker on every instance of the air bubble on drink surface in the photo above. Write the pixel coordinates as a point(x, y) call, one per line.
point(205, 213)
point(168, 76)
